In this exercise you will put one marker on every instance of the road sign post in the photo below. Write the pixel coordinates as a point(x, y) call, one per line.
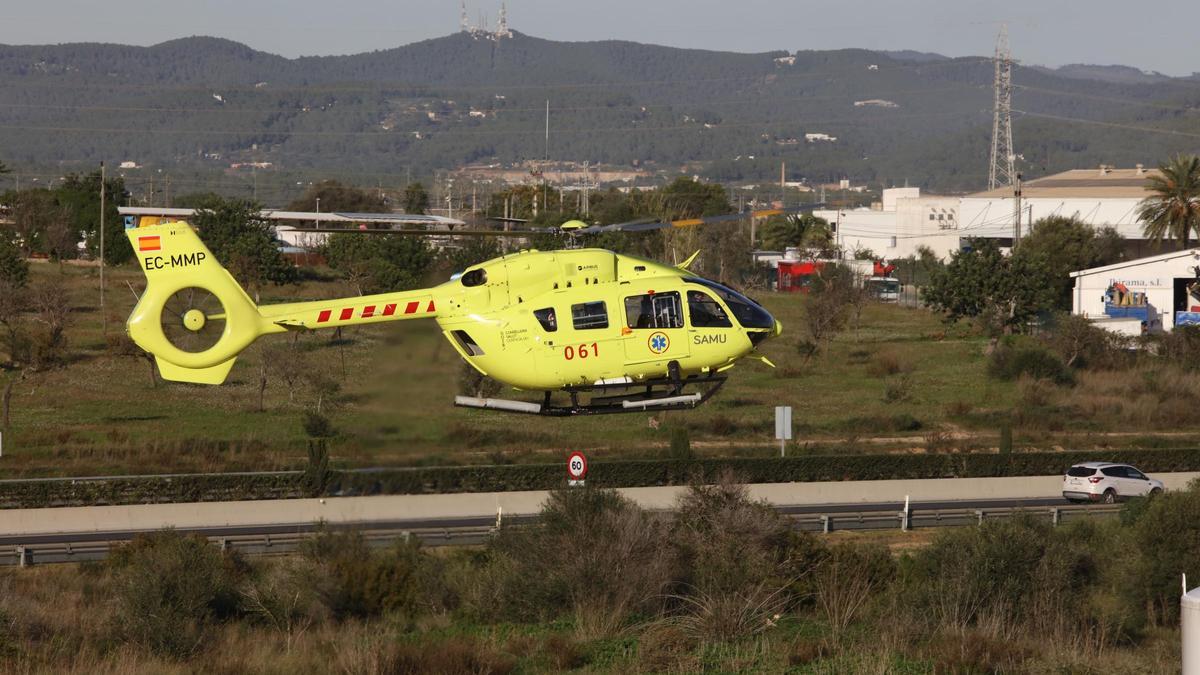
point(576, 469)
point(783, 427)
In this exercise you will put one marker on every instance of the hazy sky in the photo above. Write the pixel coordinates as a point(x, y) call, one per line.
point(1154, 36)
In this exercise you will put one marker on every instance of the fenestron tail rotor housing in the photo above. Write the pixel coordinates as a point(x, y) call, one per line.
point(193, 319)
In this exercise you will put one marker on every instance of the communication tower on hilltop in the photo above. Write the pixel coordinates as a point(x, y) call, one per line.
point(480, 30)
point(1002, 170)
point(502, 30)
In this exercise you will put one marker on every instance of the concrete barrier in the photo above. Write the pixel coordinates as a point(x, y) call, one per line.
point(467, 505)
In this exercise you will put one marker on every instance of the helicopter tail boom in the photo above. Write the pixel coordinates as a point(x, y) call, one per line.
point(195, 318)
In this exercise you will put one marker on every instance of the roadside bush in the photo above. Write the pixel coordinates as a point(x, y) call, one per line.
point(593, 555)
point(1167, 538)
point(1009, 576)
point(725, 542)
point(170, 588)
point(282, 597)
point(1014, 357)
point(353, 580)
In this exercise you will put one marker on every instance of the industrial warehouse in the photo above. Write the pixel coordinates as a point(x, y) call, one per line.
point(904, 220)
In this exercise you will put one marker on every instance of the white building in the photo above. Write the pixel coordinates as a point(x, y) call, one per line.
point(1163, 279)
point(901, 223)
point(905, 220)
point(1098, 197)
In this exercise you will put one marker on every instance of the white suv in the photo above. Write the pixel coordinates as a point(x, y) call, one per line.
point(1107, 482)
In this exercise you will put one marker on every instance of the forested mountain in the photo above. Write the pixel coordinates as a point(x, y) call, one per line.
point(199, 104)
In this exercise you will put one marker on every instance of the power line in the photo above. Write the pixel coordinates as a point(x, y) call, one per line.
point(1114, 125)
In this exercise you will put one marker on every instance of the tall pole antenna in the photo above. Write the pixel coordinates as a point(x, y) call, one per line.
point(1001, 170)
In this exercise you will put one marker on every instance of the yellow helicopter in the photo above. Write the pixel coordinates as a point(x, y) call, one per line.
point(626, 333)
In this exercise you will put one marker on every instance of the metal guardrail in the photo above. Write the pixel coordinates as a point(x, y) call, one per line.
point(919, 518)
point(381, 535)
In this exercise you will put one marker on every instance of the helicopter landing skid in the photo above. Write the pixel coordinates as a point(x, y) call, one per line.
point(648, 395)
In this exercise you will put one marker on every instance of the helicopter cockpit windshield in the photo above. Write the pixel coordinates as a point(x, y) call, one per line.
point(748, 313)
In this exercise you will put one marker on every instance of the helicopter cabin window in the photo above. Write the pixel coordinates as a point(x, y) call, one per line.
point(706, 312)
point(547, 319)
point(474, 278)
point(589, 315)
point(654, 310)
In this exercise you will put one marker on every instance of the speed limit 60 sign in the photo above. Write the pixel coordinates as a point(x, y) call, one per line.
point(576, 468)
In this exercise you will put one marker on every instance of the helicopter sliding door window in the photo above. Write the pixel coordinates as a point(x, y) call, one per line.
point(654, 310)
point(706, 312)
point(589, 315)
point(546, 318)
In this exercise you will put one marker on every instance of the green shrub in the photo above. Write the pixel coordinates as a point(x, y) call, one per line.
point(725, 542)
point(1082, 344)
point(355, 581)
point(681, 444)
point(170, 588)
point(316, 471)
point(1014, 357)
point(1166, 533)
point(592, 555)
point(1181, 347)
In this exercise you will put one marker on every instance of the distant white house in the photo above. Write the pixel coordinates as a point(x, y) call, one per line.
point(813, 138)
point(877, 103)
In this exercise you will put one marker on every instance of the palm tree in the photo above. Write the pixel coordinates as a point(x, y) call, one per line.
point(1173, 209)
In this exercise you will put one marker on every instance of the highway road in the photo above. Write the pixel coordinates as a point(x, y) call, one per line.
point(278, 526)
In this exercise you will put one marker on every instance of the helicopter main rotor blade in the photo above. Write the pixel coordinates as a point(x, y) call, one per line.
point(647, 225)
point(428, 233)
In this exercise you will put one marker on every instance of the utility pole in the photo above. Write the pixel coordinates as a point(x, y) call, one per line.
point(103, 207)
point(783, 183)
point(1016, 211)
point(1001, 170)
point(545, 165)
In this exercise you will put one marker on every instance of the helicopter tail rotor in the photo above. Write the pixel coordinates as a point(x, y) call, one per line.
point(193, 317)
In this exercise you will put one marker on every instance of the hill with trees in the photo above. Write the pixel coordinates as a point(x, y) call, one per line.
point(201, 104)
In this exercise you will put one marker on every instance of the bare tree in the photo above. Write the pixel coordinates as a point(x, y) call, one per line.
point(52, 309)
